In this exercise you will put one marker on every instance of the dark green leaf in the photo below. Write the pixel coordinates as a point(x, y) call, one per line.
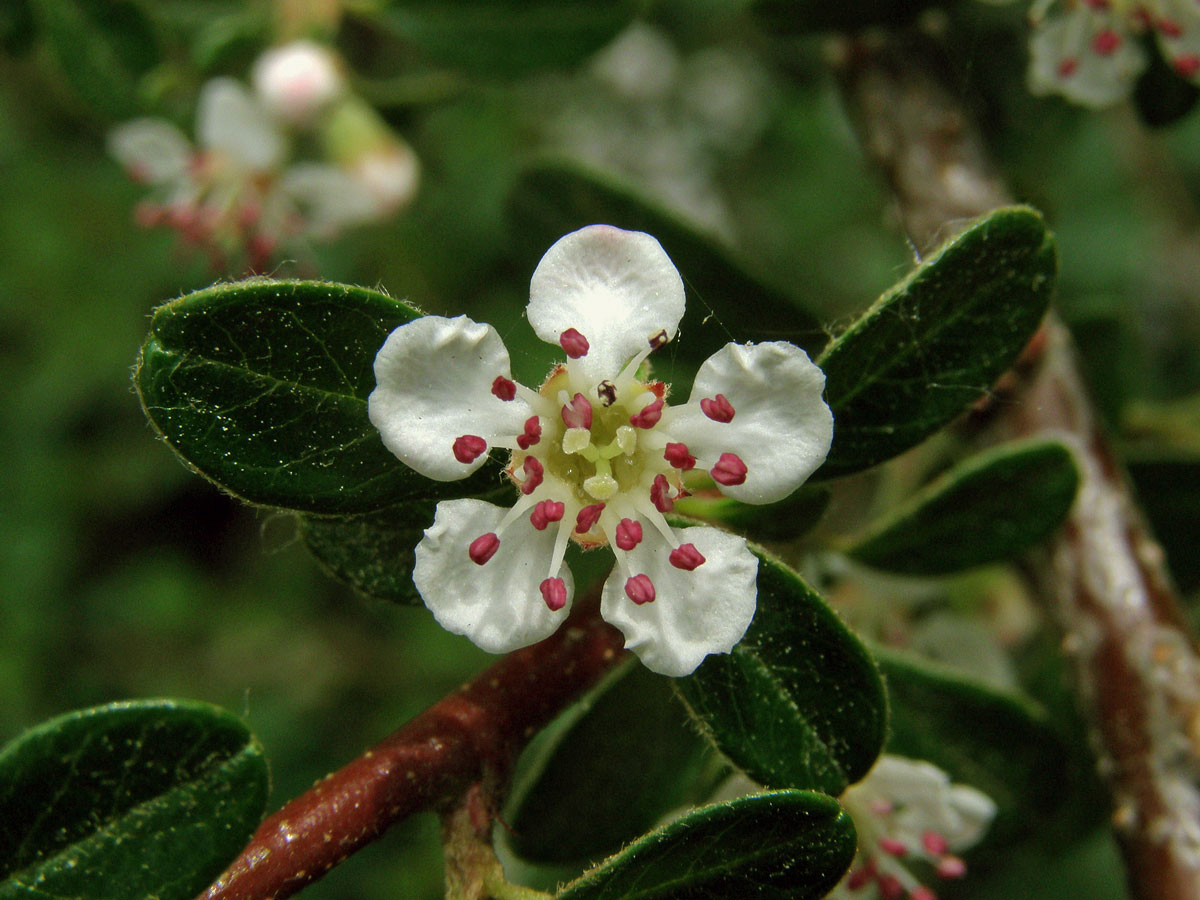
point(102, 46)
point(498, 38)
point(1161, 96)
point(998, 743)
point(782, 521)
point(1169, 493)
point(800, 16)
point(552, 200)
point(607, 771)
point(935, 343)
point(799, 702)
point(988, 509)
point(127, 801)
point(788, 845)
point(262, 386)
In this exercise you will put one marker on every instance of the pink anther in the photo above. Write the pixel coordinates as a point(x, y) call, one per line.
point(504, 388)
point(893, 847)
point(949, 867)
point(649, 415)
point(935, 844)
point(554, 592)
point(533, 475)
point(468, 447)
point(640, 589)
point(577, 413)
point(1169, 27)
point(574, 343)
point(718, 408)
point(1106, 42)
point(629, 534)
point(860, 877)
point(532, 434)
point(545, 512)
point(890, 887)
point(588, 516)
point(1067, 67)
point(920, 892)
point(677, 455)
point(1188, 65)
point(660, 494)
point(483, 548)
point(729, 470)
point(686, 557)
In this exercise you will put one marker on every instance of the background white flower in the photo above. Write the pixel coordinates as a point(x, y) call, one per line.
point(598, 454)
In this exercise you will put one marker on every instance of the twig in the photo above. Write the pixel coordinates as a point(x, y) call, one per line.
point(1104, 577)
point(470, 736)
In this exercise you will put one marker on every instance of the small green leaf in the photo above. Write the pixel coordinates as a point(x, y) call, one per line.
point(554, 199)
point(786, 845)
point(127, 801)
point(935, 343)
point(262, 386)
point(988, 509)
point(999, 743)
point(607, 771)
point(799, 702)
point(498, 38)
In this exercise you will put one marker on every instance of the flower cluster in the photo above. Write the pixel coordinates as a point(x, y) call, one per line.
point(598, 455)
point(1089, 50)
point(904, 811)
point(237, 190)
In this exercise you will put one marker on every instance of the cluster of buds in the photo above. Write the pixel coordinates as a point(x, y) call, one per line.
point(1090, 51)
point(238, 192)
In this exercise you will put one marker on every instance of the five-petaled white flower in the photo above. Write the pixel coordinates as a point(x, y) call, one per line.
point(598, 456)
point(905, 810)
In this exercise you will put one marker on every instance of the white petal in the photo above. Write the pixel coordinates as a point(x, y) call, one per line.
point(329, 199)
point(1063, 61)
point(498, 605)
point(152, 150)
point(973, 812)
point(694, 613)
point(231, 121)
point(433, 384)
point(781, 427)
point(617, 288)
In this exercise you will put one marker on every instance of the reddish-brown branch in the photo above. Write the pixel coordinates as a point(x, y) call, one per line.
point(472, 735)
point(1104, 577)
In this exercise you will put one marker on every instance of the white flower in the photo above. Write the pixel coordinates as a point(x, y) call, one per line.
point(598, 456)
point(1089, 50)
point(296, 81)
point(908, 810)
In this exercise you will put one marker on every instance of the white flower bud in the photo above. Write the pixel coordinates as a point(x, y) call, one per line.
point(297, 80)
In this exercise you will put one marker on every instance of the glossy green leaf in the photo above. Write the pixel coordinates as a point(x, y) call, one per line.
point(799, 702)
point(725, 302)
point(262, 386)
point(608, 770)
point(127, 801)
point(937, 341)
point(782, 521)
point(498, 38)
point(102, 46)
point(999, 743)
point(990, 508)
point(786, 845)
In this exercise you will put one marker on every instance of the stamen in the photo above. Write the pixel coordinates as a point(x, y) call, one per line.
point(629, 534)
point(1188, 65)
point(1106, 42)
point(607, 392)
point(468, 447)
point(890, 887)
point(626, 439)
point(920, 892)
point(719, 409)
point(640, 589)
point(1067, 67)
point(554, 592)
point(1169, 27)
point(660, 494)
point(483, 548)
point(649, 415)
point(893, 847)
point(588, 517)
point(659, 339)
point(576, 440)
point(504, 388)
point(729, 470)
point(602, 485)
point(935, 844)
point(686, 557)
point(545, 512)
point(574, 343)
point(677, 455)
point(533, 475)
point(951, 867)
point(860, 877)
point(533, 433)
point(578, 413)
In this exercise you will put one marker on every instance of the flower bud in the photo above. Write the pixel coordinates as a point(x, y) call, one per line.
point(297, 81)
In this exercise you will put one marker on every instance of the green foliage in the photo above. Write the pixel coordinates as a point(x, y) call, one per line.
point(798, 703)
point(131, 800)
point(988, 509)
point(789, 845)
point(782, 521)
point(932, 345)
point(800, 16)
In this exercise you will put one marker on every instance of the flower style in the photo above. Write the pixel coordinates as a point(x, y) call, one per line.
point(1088, 50)
point(598, 456)
point(907, 810)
